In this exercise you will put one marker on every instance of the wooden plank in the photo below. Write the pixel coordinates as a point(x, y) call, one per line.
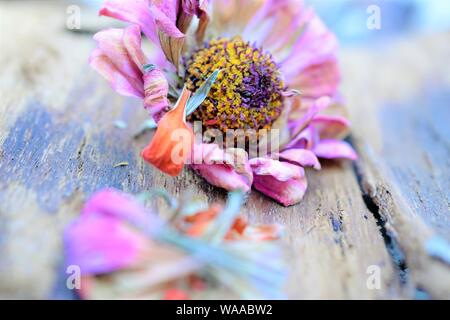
point(400, 98)
point(59, 144)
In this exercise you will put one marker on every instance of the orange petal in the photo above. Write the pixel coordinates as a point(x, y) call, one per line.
point(200, 221)
point(207, 215)
point(172, 143)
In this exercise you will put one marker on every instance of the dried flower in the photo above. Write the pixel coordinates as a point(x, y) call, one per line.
point(125, 250)
point(278, 70)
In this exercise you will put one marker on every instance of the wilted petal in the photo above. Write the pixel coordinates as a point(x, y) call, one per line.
point(282, 181)
point(133, 11)
point(172, 143)
point(302, 157)
point(308, 54)
point(331, 127)
point(316, 80)
point(156, 90)
point(268, 26)
point(227, 169)
point(192, 8)
point(119, 59)
point(204, 20)
point(300, 118)
point(304, 140)
point(170, 37)
point(335, 149)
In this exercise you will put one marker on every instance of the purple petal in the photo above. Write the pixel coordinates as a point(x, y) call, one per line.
point(335, 149)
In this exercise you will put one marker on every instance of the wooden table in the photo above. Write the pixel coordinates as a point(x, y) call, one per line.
point(58, 144)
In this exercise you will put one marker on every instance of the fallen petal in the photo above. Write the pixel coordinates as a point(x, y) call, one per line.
point(302, 157)
point(335, 149)
point(282, 181)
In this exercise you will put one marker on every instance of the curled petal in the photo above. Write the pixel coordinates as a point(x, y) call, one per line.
point(269, 24)
point(308, 55)
point(227, 169)
point(172, 143)
point(331, 127)
point(203, 22)
point(302, 157)
point(156, 90)
point(133, 11)
point(170, 37)
point(305, 140)
point(157, 19)
point(192, 8)
point(335, 149)
point(282, 181)
point(302, 117)
point(119, 59)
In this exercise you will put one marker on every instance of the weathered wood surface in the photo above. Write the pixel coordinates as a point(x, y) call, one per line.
point(58, 144)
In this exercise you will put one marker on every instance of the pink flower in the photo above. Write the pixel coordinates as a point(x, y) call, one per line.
point(117, 242)
point(267, 53)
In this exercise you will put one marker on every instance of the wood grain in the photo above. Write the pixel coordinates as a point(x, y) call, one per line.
point(58, 144)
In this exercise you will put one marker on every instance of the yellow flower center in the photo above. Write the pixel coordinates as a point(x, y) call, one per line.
point(247, 93)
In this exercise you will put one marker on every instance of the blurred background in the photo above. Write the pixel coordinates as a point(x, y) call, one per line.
point(398, 18)
point(347, 18)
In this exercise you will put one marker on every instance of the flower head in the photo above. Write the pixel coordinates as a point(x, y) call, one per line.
point(278, 84)
point(126, 250)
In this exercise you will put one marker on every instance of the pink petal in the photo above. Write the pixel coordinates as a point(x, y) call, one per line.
point(113, 203)
point(156, 89)
point(308, 54)
point(282, 181)
point(305, 116)
point(115, 59)
point(331, 127)
point(316, 80)
point(99, 244)
point(133, 11)
point(335, 149)
point(165, 16)
point(222, 168)
point(304, 140)
point(302, 157)
point(132, 42)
